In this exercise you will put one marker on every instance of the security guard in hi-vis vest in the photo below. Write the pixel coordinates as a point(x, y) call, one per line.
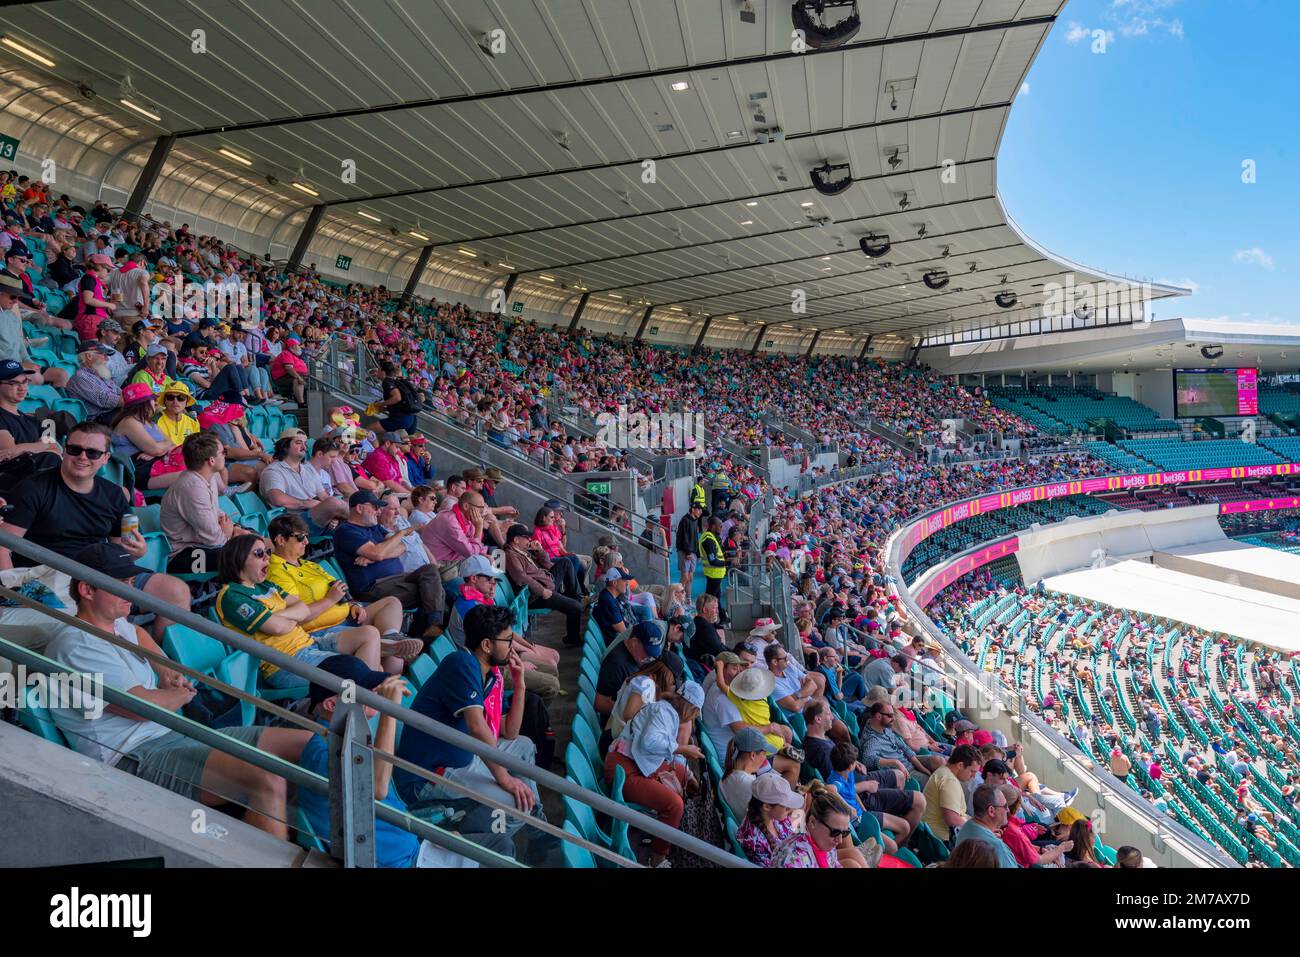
point(713, 558)
point(699, 498)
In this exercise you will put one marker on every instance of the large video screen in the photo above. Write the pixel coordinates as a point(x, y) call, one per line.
point(1215, 392)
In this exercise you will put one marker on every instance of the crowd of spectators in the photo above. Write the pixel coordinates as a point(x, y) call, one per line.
point(315, 544)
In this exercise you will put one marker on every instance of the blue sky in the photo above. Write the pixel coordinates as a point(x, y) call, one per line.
point(1131, 159)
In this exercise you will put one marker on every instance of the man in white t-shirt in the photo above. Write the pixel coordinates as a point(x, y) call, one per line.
point(720, 716)
point(119, 738)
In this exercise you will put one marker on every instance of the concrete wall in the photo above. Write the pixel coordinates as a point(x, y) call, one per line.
point(61, 808)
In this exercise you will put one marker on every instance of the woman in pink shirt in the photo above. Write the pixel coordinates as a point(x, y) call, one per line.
point(548, 528)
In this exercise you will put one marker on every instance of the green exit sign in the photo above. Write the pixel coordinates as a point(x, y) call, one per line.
point(516, 307)
point(598, 488)
point(343, 262)
point(769, 344)
point(8, 147)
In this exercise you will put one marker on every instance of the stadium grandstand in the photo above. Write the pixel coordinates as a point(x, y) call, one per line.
point(578, 451)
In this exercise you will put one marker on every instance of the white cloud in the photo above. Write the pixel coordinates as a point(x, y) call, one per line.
point(1253, 256)
point(1076, 32)
point(1140, 18)
point(1024, 88)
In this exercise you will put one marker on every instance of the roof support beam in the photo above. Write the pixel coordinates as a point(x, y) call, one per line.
point(748, 238)
point(813, 345)
point(708, 321)
point(645, 321)
point(759, 338)
point(695, 207)
point(305, 237)
point(577, 313)
point(866, 345)
point(416, 273)
point(148, 177)
point(509, 288)
point(683, 154)
point(465, 98)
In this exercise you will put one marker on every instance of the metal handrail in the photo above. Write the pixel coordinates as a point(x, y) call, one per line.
point(341, 388)
point(259, 758)
point(411, 719)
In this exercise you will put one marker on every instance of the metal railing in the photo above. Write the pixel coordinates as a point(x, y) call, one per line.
point(332, 375)
point(349, 735)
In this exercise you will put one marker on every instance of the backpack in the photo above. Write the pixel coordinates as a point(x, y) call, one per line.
point(412, 399)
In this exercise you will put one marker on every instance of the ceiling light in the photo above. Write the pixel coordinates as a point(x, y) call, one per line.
point(826, 259)
point(675, 308)
point(370, 216)
point(805, 205)
point(681, 86)
point(466, 252)
point(304, 188)
point(231, 154)
point(752, 202)
point(505, 266)
point(26, 51)
point(419, 236)
point(612, 296)
point(140, 109)
point(747, 222)
point(734, 134)
point(546, 278)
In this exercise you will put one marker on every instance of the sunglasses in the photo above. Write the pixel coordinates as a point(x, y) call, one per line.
point(93, 455)
point(174, 398)
point(298, 536)
point(836, 832)
point(258, 553)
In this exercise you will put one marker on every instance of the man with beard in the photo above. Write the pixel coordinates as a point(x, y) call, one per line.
point(93, 382)
point(465, 693)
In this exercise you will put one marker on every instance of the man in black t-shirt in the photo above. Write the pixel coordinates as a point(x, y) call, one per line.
point(89, 510)
point(399, 401)
point(706, 640)
point(22, 450)
point(645, 644)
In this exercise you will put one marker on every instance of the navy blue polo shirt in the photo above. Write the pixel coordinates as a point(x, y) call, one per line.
point(454, 688)
point(350, 539)
point(608, 613)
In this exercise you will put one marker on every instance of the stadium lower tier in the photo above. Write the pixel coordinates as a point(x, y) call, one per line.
point(1199, 724)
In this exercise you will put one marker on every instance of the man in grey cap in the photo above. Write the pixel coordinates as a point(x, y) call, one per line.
point(92, 383)
point(110, 336)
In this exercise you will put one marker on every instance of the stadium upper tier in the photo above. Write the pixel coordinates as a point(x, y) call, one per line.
point(1061, 410)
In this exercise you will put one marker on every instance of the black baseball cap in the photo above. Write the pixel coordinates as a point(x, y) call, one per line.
point(11, 369)
point(364, 497)
point(348, 668)
point(112, 560)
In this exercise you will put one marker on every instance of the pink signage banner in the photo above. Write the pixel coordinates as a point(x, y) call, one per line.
point(1258, 505)
point(927, 525)
point(965, 565)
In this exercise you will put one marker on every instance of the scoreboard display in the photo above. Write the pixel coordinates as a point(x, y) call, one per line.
point(1215, 392)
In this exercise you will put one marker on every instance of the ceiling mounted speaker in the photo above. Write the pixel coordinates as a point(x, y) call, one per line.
point(875, 246)
point(819, 33)
point(1212, 352)
point(823, 181)
point(1006, 300)
point(936, 278)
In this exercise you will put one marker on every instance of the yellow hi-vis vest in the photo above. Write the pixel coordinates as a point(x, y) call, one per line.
point(698, 497)
point(709, 555)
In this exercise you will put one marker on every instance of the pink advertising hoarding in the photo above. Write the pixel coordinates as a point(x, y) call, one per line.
point(963, 566)
point(927, 525)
